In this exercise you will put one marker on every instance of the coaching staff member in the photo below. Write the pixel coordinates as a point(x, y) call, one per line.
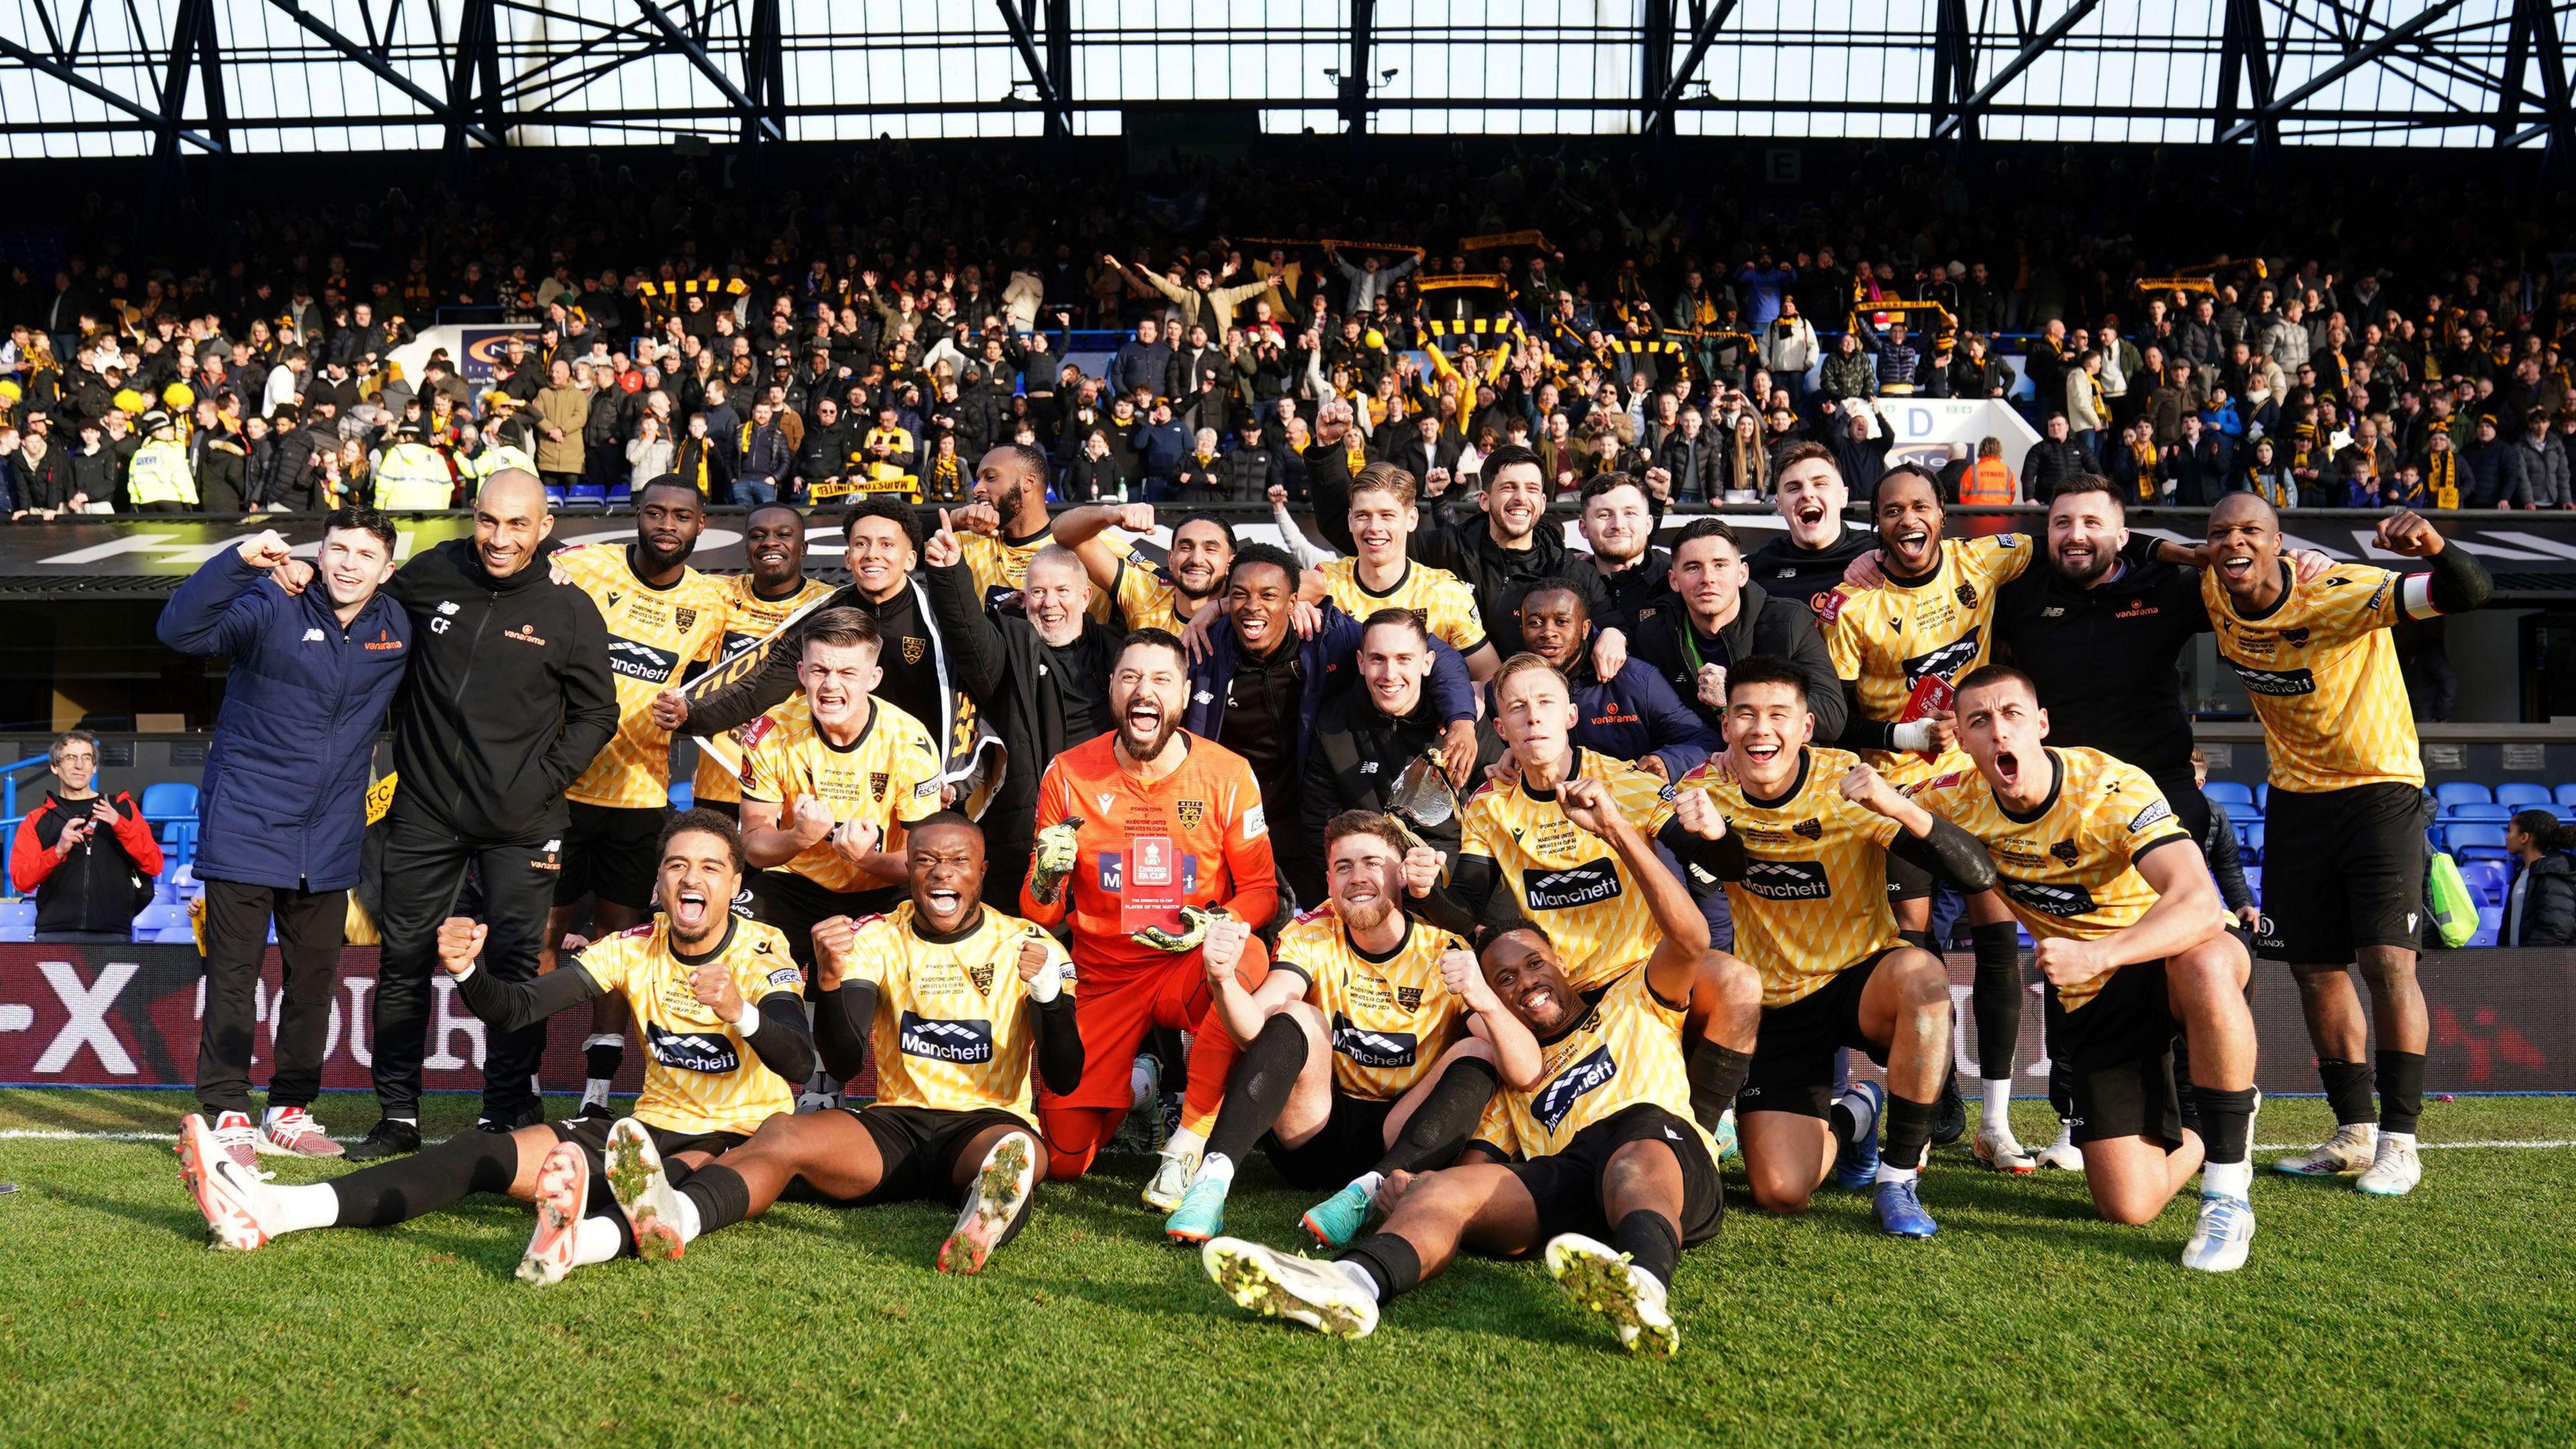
point(283, 809)
point(507, 699)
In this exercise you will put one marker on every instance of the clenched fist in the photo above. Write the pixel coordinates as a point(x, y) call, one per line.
point(460, 943)
point(716, 990)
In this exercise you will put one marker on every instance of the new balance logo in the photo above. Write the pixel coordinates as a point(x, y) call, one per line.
point(448, 608)
point(1556, 1101)
point(965, 1043)
point(1787, 880)
point(313, 636)
point(1382, 1050)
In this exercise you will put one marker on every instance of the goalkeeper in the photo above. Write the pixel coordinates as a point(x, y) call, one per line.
point(1146, 837)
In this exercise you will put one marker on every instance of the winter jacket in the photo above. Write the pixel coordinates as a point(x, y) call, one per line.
point(283, 802)
point(567, 408)
point(1633, 714)
point(1327, 661)
point(507, 699)
point(100, 883)
point(1775, 628)
point(2548, 890)
point(1357, 753)
point(2544, 465)
point(2496, 475)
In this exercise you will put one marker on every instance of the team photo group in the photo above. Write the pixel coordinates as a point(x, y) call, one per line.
point(1492, 879)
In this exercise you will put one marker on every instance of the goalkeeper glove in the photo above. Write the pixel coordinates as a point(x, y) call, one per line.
point(1195, 921)
point(1054, 859)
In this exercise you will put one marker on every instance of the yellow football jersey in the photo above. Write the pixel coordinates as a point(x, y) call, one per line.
point(954, 1030)
point(1625, 1050)
point(654, 635)
point(889, 773)
point(1447, 604)
point(1391, 1016)
point(1145, 597)
point(2068, 870)
point(1891, 638)
point(2322, 670)
point(1566, 878)
point(699, 1074)
point(748, 619)
point(1813, 900)
point(1001, 566)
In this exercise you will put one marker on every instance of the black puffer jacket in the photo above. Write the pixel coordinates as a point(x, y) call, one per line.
point(2548, 887)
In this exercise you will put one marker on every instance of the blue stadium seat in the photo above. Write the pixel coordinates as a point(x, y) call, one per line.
point(683, 795)
point(2477, 810)
point(2254, 882)
point(2565, 794)
point(17, 920)
point(554, 495)
point(170, 800)
point(2490, 926)
point(2229, 793)
point(2263, 795)
point(158, 917)
point(2249, 840)
point(2522, 794)
point(586, 495)
point(2489, 878)
point(2475, 840)
point(2461, 792)
point(184, 934)
point(620, 491)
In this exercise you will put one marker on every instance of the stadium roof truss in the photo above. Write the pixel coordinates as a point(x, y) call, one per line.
point(215, 77)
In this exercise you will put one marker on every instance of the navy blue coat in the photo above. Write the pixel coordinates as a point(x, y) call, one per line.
point(1330, 659)
point(284, 801)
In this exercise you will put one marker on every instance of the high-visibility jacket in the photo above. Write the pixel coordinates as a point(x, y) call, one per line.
point(1987, 481)
point(493, 459)
point(412, 478)
point(160, 475)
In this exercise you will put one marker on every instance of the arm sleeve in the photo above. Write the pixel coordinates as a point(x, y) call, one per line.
point(217, 610)
point(1723, 857)
point(841, 1028)
point(589, 698)
point(2225, 863)
point(1950, 853)
point(975, 640)
point(1059, 1044)
point(1452, 691)
point(135, 834)
point(784, 1043)
point(767, 684)
point(516, 1005)
point(1859, 731)
point(1444, 910)
point(1826, 697)
point(1472, 880)
point(29, 861)
point(1050, 811)
point(2457, 584)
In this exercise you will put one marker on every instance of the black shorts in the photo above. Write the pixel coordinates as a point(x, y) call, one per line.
point(609, 852)
point(1349, 1143)
point(2119, 1051)
point(1793, 1052)
point(1567, 1185)
point(919, 1147)
point(592, 1133)
point(1907, 881)
point(793, 904)
point(2344, 869)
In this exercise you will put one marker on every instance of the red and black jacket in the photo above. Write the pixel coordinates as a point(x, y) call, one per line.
point(100, 883)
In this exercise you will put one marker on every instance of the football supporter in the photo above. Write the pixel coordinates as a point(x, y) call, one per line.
point(1522, 854)
point(1355, 1061)
point(719, 1003)
point(662, 617)
point(1715, 615)
point(280, 840)
point(759, 601)
point(1594, 1163)
point(962, 1008)
point(1148, 595)
point(2133, 941)
point(88, 858)
point(1147, 837)
point(2345, 830)
point(1803, 836)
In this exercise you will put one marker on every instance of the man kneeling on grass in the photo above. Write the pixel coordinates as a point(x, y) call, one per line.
point(963, 1001)
point(1603, 1134)
point(718, 999)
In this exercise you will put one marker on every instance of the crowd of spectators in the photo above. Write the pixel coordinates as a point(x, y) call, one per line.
point(877, 321)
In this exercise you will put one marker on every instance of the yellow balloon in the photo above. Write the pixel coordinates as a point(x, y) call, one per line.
point(1373, 338)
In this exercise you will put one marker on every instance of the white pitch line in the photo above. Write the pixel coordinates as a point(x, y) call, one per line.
point(38, 1134)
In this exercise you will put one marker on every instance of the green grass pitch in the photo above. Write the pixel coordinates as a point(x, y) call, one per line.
point(2445, 1318)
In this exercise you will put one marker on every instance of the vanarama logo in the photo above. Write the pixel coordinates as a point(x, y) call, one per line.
point(525, 634)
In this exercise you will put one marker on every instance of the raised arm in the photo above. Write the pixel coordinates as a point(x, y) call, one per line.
point(1681, 931)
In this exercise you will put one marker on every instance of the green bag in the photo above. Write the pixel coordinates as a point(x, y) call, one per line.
point(2454, 906)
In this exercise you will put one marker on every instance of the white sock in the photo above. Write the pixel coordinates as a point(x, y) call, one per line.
point(2065, 1134)
point(2227, 1179)
point(1864, 1115)
point(1368, 1183)
point(294, 1209)
point(1185, 1143)
point(1998, 1105)
point(1890, 1172)
point(2402, 1139)
point(595, 1240)
point(1215, 1167)
point(1143, 1084)
point(684, 1217)
point(594, 1091)
point(1360, 1275)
